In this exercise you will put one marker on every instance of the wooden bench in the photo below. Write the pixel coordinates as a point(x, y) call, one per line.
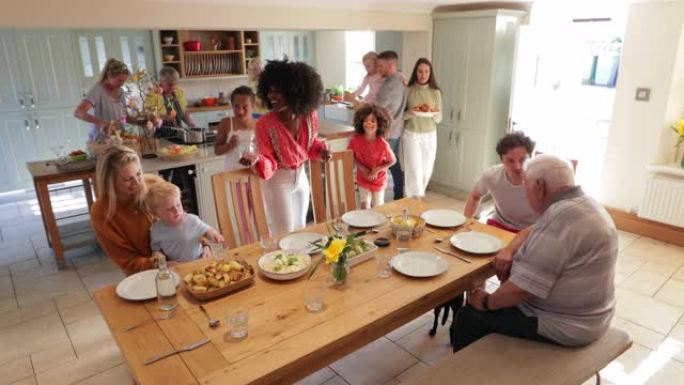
point(498, 359)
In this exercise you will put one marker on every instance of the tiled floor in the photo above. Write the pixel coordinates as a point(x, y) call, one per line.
point(52, 333)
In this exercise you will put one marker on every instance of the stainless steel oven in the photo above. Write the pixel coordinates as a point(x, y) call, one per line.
point(185, 178)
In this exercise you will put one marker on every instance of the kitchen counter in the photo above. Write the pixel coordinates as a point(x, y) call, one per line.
point(207, 108)
point(327, 130)
point(331, 130)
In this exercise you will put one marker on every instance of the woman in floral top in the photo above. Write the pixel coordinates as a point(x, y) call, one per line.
point(287, 138)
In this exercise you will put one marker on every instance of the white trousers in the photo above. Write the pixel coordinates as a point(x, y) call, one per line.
point(418, 159)
point(374, 198)
point(286, 200)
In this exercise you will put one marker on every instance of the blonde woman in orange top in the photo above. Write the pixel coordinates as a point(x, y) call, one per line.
point(120, 218)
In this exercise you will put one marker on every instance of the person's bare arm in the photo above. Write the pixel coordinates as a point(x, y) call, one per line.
point(503, 260)
point(472, 204)
point(81, 112)
point(222, 146)
point(507, 295)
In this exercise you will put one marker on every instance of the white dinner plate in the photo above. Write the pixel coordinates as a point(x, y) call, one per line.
point(422, 114)
point(443, 218)
point(140, 286)
point(419, 264)
point(363, 218)
point(283, 276)
point(302, 241)
point(476, 242)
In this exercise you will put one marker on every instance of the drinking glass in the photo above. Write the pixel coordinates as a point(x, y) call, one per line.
point(217, 249)
point(383, 264)
point(338, 224)
point(314, 296)
point(238, 324)
point(267, 242)
point(403, 237)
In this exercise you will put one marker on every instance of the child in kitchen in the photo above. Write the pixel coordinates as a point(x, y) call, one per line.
point(182, 237)
point(372, 81)
point(372, 153)
point(236, 135)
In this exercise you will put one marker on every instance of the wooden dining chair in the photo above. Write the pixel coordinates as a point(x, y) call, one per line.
point(239, 207)
point(332, 186)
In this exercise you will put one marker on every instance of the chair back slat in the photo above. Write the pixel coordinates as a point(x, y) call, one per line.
point(239, 207)
point(333, 191)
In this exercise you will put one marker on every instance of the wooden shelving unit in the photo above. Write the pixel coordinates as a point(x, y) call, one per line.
point(222, 53)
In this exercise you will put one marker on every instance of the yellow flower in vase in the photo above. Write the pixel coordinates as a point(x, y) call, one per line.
point(679, 128)
point(334, 250)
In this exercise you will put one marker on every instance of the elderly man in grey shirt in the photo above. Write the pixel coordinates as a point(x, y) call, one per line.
point(392, 95)
point(560, 287)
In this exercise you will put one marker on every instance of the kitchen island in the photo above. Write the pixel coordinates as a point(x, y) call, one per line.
point(201, 167)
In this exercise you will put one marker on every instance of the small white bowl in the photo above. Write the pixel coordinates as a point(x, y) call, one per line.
point(167, 39)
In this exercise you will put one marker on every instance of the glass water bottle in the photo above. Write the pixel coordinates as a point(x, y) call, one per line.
point(166, 287)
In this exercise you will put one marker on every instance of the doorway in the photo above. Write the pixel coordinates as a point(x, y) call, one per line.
point(564, 83)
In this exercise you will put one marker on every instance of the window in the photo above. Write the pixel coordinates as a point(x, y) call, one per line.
point(140, 52)
point(126, 52)
point(101, 52)
point(85, 57)
point(357, 44)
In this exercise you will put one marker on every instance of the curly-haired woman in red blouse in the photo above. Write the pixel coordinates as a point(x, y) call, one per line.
point(286, 139)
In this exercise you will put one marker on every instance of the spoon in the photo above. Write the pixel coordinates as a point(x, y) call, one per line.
point(213, 322)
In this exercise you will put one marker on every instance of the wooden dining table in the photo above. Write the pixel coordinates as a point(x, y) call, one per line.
point(286, 342)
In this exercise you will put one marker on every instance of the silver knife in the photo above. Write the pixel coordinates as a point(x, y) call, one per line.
point(185, 348)
point(464, 259)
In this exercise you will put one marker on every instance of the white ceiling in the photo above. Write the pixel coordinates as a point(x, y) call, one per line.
point(421, 6)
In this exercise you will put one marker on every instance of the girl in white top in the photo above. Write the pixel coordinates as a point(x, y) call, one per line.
point(236, 135)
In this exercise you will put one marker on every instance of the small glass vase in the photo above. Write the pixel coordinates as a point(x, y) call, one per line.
point(340, 271)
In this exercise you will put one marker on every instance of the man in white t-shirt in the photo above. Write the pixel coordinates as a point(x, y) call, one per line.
point(560, 286)
point(504, 183)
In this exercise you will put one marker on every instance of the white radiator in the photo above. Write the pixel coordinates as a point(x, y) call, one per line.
point(664, 197)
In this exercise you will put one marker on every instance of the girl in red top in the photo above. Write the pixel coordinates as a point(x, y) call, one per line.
point(286, 138)
point(372, 153)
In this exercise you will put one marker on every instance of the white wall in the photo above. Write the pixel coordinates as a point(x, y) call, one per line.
point(330, 48)
point(415, 46)
point(156, 15)
point(652, 47)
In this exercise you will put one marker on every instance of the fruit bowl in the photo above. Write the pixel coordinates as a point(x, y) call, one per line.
point(209, 102)
point(177, 152)
point(78, 156)
point(416, 223)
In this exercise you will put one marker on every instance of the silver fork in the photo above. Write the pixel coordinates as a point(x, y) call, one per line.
point(184, 348)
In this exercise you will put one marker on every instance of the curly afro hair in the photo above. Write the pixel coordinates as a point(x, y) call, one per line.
point(513, 140)
point(299, 83)
point(381, 115)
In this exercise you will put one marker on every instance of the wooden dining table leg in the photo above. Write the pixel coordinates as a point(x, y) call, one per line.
point(50, 222)
point(88, 192)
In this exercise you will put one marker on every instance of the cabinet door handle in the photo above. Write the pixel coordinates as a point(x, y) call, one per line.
point(458, 115)
point(21, 102)
point(451, 133)
point(33, 105)
point(27, 125)
point(458, 137)
point(37, 124)
point(451, 114)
